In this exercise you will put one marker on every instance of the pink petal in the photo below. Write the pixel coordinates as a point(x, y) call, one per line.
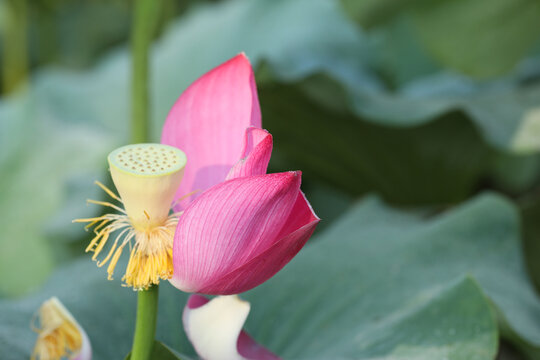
point(256, 154)
point(229, 225)
point(196, 300)
point(266, 264)
point(246, 347)
point(301, 215)
point(208, 121)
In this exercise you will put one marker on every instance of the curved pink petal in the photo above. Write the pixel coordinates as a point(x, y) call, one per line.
point(249, 349)
point(229, 225)
point(196, 300)
point(299, 228)
point(210, 327)
point(208, 121)
point(256, 154)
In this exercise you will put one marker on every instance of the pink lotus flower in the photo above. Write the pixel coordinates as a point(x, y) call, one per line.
point(241, 226)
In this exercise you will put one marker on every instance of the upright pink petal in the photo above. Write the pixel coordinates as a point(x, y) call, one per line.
point(256, 154)
point(214, 327)
point(229, 225)
point(208, 122)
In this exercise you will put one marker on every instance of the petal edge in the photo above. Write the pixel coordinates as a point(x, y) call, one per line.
point(256, 154)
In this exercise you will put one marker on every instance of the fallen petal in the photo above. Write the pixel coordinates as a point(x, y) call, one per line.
point(59, 334)
point(214, 327)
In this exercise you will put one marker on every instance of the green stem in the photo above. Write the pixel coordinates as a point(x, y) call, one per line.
point(14, 33)
point(145, 16)
point(145, 327)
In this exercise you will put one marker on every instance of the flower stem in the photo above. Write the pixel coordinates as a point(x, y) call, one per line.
point(145, 17)
point(14, 35)
point(145, 327)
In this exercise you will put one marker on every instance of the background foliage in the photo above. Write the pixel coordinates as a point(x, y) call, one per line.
point(434, 106)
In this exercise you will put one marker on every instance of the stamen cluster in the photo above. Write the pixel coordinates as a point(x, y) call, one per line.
point(150, 257)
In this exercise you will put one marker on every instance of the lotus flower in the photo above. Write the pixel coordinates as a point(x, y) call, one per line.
point(214, 327)
point(242, 225)
point(236, 226)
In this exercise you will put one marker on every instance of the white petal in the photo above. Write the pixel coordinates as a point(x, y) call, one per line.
point(214, 327)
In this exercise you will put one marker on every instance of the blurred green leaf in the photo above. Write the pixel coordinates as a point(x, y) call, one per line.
point(438, 162)
point(76, 33)
point(398, 56)
point(328, 202)
point(379, 283)
point(507, 352)
point(530, 216)
point(515, 173)
point(371, 13)
point(39, 154)
point(481, 39)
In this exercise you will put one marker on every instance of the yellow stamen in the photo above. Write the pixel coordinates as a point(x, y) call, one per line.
point(95, 219)
point(112, 265)
point(94, 241)
point(104, 203)
point(103, 223)
point(101, 244)
point(177, 201)
point(151, 257)
point(108, 191)
point(146, 176)
point(104, 261)
point(59, 335)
